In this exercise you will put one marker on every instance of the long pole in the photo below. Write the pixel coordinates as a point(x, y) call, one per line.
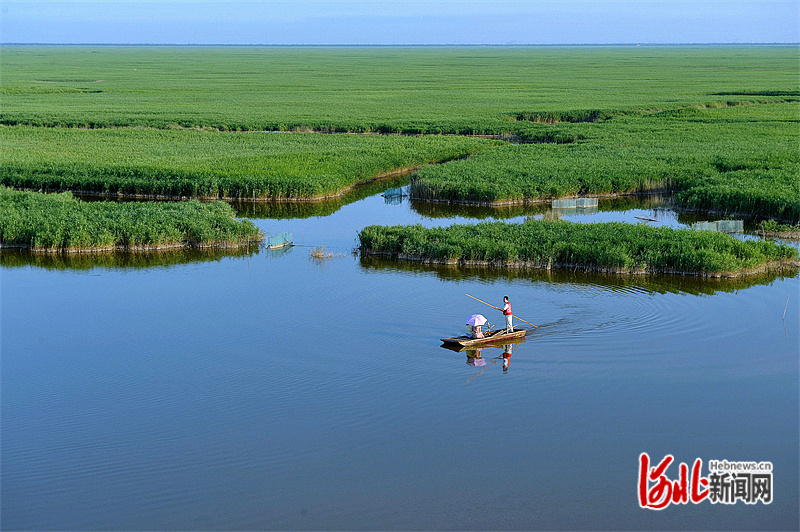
point(498, 308)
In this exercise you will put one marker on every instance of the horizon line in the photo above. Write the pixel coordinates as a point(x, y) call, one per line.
point(407, 45)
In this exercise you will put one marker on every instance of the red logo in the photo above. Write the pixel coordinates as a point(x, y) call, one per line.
point(656, 491)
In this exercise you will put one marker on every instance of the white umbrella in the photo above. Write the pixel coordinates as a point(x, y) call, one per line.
point(476, 319)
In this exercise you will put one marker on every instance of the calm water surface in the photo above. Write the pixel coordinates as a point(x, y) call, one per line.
point(273, 391)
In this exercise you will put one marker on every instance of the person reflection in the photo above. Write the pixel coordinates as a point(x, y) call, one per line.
point(474, 358)
point(506, 357)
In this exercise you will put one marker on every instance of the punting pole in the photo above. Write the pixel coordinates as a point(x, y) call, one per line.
point(498, 308)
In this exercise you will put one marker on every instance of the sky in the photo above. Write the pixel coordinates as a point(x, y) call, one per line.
point(390, 22)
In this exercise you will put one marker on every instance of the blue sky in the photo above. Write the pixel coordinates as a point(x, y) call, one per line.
point(395, 22)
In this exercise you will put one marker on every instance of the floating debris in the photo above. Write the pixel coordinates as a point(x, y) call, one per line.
point(320, 254)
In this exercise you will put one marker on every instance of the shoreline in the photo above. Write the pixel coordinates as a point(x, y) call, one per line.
point(775, 265)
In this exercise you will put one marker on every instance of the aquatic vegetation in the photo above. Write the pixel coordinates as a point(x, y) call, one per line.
point(53, 222)
point(693, 120)
point(320, 254)
point(211, 163)
point(735, 159)
point(771, 226)
point(608, 246)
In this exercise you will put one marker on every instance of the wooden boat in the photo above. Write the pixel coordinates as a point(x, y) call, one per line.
point(494, 344)
point(491, 337)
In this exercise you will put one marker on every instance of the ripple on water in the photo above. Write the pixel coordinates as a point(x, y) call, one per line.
point(594, 314)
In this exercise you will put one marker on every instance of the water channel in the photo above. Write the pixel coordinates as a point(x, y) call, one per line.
point(271, 390)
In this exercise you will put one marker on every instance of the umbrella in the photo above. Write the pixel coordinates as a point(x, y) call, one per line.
point(476, 319)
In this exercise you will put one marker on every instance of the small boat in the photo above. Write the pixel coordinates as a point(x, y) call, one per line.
point(494, 344)
point(500, 335)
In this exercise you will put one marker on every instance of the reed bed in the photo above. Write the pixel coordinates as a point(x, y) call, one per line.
point(694, 120)
point(59, 222)
point(741, 159)
point(211, 164)
point(611, 247)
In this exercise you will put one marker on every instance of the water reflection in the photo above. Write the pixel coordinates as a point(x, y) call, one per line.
point(285, 210)
point(278, 253)
point(394, 196)
point(479, 212)
point(622, 203)
point(646, 283)
point(475, 358)
point(486, 356)
point(506, 357)
point(13, 258)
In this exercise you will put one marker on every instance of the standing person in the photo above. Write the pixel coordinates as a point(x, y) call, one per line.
point(508, 314)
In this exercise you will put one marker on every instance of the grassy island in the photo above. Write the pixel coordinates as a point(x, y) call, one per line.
point(59, 222)
point(608, 247)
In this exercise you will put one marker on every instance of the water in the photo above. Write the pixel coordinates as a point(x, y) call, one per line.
point(273, 391)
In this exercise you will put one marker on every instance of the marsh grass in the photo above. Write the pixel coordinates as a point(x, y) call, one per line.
point(211, 164)
point(613, 247)
point(694, 120)
point(733, 159)
point(59, 222)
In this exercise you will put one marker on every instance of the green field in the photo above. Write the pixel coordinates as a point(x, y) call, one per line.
point(612, 246)
point(59, 222)
point(418, 90)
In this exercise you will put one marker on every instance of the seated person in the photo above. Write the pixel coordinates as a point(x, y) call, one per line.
point(476, 332)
